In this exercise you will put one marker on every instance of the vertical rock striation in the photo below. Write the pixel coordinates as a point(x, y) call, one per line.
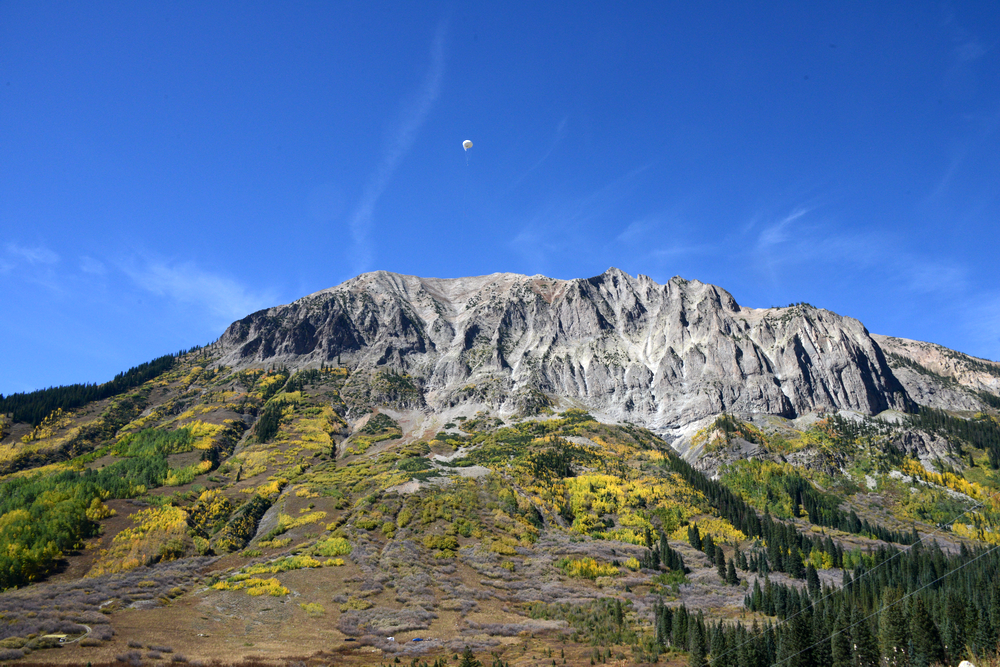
point(626, 347)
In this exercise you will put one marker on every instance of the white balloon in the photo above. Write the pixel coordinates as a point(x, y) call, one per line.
point(466, 144)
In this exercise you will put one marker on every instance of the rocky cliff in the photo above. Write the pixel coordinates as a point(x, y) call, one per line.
point(623, 346)
point(941, 378)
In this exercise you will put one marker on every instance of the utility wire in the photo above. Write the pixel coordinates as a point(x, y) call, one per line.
point(876, 613)
point(874, 569)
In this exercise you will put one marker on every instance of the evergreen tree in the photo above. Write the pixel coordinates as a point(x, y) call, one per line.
point(893, 630)
point(731, 577)
point(679, 632)
point(469, 659)
point(720, 654)
point(756, 648)
point(840, 642)
point(985, 639)
point(812, 580)
point(694, 537)
point(865, 648)
point(925, 641)
point(720, 563)
point(794, 564)
point(696, 645)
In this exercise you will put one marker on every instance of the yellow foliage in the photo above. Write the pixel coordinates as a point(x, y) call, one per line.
point(54, 422)
point(820, 560)
point(287, 522)
point(623, 535)
point(192, 376)
point(359, 604)
point(976, 533)
point(334, 546)
point(203, 433)
point(272, 488)
point(720, 530)
point(253, 461)
point(276, 566)
point(314, 609)
point(504, 545)
point(950, 480)
point(98, 510)
point(274, 544)
point(253, 586)
point(158, 532)
point(586, 567)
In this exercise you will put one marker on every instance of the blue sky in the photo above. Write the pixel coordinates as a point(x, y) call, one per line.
point(168, 168)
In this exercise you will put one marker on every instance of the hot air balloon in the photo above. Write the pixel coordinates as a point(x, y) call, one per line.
point(466, 144)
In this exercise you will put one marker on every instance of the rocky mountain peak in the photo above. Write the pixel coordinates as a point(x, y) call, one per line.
point(623, 346)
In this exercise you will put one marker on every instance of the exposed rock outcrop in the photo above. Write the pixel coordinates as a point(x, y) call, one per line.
point(941, 378)
point(622, 346)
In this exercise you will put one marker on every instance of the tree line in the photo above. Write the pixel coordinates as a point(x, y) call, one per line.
point(32, 407)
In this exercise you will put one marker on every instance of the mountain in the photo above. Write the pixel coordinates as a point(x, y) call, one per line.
point(517, 469)
point(626, 348)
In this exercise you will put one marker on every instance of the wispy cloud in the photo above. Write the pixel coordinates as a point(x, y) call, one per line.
point(637, 230)
point(223, 298)
point(567, 225)
point(777, 232)
point(660, 238)
point(32, 264)
point(32, 255)
point(787, 245)
point(558, 136)
point(92, 266)
point(401, 139)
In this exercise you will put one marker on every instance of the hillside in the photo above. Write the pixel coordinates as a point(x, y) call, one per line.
point(538, 471)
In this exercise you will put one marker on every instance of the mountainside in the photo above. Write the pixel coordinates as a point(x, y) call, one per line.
point(520, 470)
point(627, 348)
point(941, 378)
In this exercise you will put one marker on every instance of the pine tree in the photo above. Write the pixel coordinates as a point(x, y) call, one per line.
point(679, 632)
point(696, 646)
point(469, 659)
point(794, 564)
point(820, 640)
point(720, 654)
point(840, 642)
point(694, 537)
point(893, 630)
point(925, 641)
point(985, 639)
point(731, 577)
point(812, 580)
point(720, 563)
point(795, 648)
point(865, 648)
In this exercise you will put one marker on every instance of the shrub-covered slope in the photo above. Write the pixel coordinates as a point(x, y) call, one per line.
point(209, 506)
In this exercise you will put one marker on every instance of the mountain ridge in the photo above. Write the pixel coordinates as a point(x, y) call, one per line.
point(660, 355)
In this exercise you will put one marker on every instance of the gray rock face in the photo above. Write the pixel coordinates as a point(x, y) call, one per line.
point(628, 348)
point(941, 378)
point(927, 447)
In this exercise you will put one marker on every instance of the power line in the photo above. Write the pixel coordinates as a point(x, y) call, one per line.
point(874, 569)
point(876, 613)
